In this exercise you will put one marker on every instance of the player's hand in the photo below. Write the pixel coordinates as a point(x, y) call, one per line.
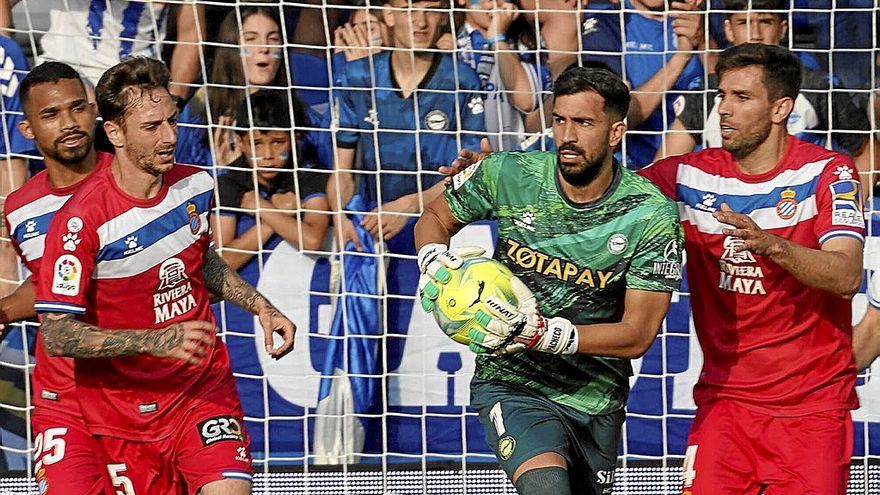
point(273, 322)
point(436, 263)
point(189, 341)
point(754, 239)
point(506, 329)
point(465, 159)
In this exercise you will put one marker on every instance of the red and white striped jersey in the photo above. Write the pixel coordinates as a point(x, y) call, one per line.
point(29, 211)
point(125, 263)
point(768, 340)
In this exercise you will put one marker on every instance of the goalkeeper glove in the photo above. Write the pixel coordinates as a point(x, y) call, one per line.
point(436, 263)
point(505, 329)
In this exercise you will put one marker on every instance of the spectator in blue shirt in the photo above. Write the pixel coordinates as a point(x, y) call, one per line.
point(502, 47)
point(655, 53)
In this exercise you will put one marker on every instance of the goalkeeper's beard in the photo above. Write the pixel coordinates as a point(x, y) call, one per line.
point(584, 173)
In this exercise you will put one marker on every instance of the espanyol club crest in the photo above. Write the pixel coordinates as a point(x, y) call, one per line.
point(195, 221)
point(787, 207)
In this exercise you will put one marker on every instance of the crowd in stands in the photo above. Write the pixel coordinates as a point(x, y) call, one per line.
point(331, 106)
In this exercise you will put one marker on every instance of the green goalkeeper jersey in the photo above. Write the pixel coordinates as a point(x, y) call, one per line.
point(578, 259)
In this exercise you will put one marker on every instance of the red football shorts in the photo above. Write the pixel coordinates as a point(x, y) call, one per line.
point(734, 450)
point(210, 445)
point(68, 459)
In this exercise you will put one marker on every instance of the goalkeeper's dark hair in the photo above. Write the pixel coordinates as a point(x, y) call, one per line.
point(782, 69)
point(47, 72)
point(122, 86)
point(605, 83)
point(779, 8)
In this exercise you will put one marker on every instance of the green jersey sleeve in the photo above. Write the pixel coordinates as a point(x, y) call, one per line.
point(472, 193)
point(656, 262)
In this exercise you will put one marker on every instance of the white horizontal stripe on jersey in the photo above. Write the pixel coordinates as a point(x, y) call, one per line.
point(121, 226)
point(152, 255)
point(766, 218)
point(695, 178)
point(46, 204)
point(33, 248)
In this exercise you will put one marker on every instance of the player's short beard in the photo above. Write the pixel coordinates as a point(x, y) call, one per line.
point(748, 141)
point(585, 173)
point(71, 158)
point(146, 160)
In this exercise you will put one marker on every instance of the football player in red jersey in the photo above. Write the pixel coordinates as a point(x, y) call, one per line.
point(60, 119)
point(774, 231)
point(127, 296)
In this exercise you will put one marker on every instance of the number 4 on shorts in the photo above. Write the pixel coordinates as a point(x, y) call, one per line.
point(120, 481)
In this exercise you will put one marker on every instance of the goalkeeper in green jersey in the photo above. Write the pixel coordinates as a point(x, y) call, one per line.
point(598, 250)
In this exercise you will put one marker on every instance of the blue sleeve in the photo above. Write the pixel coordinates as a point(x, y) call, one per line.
point(472, 119)
point(346, 99)
point(192, 145)
point(601, 39)
point(14, 68)
point(320, 139)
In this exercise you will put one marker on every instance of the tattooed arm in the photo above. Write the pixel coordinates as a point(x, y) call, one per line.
point(225, 282)
point(64, 335)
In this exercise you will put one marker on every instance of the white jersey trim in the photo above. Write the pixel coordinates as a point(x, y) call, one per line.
point(694, 178)
point(187, 188)
point(766, 218)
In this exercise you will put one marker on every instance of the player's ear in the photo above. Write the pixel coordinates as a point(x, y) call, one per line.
point(24, 127)
point(782, 108)
point(114, 133)
point(618, 129)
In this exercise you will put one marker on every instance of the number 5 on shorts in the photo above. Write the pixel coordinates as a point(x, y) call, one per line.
point(690, 458)
point(120, 480)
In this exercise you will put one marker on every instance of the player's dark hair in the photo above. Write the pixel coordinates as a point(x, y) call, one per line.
point(602, 81)
point(779, 8)
point(782, 69)
point(116, 88)
point(47, 72)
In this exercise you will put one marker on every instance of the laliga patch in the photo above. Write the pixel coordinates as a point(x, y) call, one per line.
point(460, 178)
point(67, 275)
point(220, 429)
point(846, 204)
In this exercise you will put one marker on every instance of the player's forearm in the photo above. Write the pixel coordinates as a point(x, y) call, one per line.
point(19, 305)
point(64, 335)
point(226, 283)
point(647, 97)
point(829, 271)
point(620, 340)
point(866, 339)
